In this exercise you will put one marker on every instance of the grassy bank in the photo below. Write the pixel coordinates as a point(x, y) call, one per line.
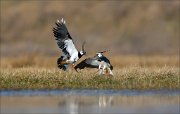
point(132, 77)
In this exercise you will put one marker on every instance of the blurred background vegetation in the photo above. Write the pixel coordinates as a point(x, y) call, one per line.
point(124, 27)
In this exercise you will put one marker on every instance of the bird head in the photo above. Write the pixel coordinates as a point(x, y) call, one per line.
point(83, 52)
point(100, 54)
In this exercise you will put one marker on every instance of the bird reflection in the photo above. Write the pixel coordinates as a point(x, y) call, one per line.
point(105, 101)
point(72, 104)
point(77, 104)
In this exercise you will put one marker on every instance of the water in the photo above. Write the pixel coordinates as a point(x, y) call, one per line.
point(90, 101)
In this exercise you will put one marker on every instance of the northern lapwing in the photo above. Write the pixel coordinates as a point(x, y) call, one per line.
point(65, 42)
point(99, 61)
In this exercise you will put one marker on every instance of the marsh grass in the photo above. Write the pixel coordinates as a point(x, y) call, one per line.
point(130, 72)
point(132, 77)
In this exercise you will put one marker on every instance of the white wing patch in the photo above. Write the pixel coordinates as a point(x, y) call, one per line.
point(70, 48)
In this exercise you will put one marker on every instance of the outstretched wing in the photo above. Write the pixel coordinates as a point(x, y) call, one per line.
point(87, 63)
point(64, 39)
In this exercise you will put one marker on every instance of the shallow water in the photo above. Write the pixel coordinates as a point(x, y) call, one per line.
point(90, 101)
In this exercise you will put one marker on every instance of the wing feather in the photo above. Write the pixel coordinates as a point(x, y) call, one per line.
point(87, 63)
point(64, 39)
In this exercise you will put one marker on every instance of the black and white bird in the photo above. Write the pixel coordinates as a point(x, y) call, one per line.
point(99, 61)
point(66, 44)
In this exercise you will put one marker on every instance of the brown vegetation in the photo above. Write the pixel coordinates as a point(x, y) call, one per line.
point(126, 78)
point(40, 61)
point(130, 72)
point(124, 27)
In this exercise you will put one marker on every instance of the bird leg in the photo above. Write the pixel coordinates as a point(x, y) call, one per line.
point(100, 69)
point(101, 72)
point(110, 73)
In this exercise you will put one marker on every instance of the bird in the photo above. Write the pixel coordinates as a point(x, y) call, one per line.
point(65, 42)
point(99, 61)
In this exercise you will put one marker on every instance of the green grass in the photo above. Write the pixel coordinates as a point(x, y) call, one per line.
point(124, 78)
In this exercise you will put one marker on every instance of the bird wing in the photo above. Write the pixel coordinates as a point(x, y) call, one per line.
point(87, 63)
point(64, 39)
point(92, 62)
point(105, 59)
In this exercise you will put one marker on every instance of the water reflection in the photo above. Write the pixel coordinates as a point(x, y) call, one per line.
point(76, 104)
point(97, 103)
point(105, 101)
point(125, 104)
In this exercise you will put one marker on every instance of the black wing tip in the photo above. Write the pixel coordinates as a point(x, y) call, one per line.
point(60, 26)
point(60, 30)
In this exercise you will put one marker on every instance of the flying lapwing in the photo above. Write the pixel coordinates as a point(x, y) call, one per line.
point(65, 42)
point(99, 61)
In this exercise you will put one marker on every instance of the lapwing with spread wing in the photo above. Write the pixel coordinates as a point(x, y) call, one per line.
point(65, 42)
point(99, 61)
